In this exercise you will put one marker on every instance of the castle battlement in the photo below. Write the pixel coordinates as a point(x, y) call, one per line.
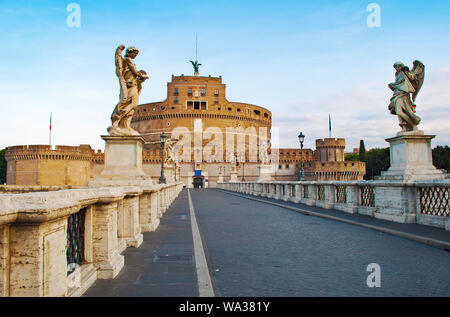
point(42, 165)
point(330, 142)
point(46, 152)
point(183, 78)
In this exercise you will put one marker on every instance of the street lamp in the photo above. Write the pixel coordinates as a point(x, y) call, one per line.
point(175, 161)
point(301, 138)
point(243, 171)
point(162, 138)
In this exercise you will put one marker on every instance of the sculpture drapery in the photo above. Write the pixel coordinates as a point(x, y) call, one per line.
point(130, 80)
point(406, 82)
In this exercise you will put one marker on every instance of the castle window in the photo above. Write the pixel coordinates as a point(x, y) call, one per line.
point(203, 92)
point(175, 92)
point(162, 107)
point(230, 109)
point(216, 92)
point(190, 91)
point(216, 101)
point(197, 105)
point(175, 100)
point(266, 115)
point(257, 112)
point(238, 110)
point(219, 108)
point(287, 165)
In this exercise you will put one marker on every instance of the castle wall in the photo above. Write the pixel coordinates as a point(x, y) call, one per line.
point(41, 165)
point(202, 101)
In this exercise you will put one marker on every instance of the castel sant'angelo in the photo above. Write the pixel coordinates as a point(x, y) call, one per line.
point(197, 113)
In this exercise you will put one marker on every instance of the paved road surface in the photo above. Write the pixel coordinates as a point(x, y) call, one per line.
point(256, 249)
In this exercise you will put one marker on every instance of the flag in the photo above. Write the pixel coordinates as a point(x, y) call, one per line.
point(50, 121)
point(329, 124)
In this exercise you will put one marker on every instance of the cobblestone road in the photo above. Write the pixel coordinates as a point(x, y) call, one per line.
point(257, 249)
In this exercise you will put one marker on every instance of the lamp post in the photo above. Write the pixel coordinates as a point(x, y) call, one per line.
point(176, 166)
point(162, 137)
point(301, 138)
point(243, 171)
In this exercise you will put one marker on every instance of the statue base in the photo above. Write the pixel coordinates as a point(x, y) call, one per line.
point(117, 131)
point(123, 162)
point(169, 173)
point(233, 177)
point(265, 173)
point(411, 158)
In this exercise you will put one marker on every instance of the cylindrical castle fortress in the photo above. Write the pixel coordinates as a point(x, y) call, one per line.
point(197, 106)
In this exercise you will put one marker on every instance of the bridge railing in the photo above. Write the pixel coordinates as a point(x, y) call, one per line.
point(423, 202)
point(57, 243)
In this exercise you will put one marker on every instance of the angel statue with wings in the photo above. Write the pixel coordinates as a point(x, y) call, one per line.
point(406, 82)
point(130, 79)
point(232, 160)
point(169, 152)
point(263, 154)
point(196, 66)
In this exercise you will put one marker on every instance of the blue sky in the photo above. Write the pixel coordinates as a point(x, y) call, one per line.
point(300, 59)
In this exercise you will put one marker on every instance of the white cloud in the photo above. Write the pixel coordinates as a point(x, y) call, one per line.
point(361, 113)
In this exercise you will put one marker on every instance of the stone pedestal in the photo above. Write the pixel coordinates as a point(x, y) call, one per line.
point(233, 177)
point(123, 156)
point(411, 158)
point(169, 173)
point(123, 163)
point(265, 173)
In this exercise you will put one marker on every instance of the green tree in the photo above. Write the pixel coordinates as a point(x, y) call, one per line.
point(352, 157)
point(441, 157)
point(2, 167)
point(362, 151)
point(377, 160)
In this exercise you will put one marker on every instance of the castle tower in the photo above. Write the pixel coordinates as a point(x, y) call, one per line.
point(330, 150)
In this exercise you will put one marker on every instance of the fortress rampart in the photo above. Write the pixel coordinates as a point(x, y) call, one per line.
point(42, 165)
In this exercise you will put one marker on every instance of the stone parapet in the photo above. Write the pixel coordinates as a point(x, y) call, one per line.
point(57, 243)
point(423, 202)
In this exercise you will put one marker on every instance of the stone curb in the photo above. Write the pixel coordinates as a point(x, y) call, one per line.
point(432, 242)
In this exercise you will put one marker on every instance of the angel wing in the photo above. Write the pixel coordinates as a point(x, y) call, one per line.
point(419, 72)
point(119, 60)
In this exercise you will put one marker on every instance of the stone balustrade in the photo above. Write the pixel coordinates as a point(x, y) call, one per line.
point(423, 202)
point(57, 243)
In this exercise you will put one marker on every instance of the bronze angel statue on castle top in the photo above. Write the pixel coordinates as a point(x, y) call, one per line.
point(406, 82)
point(130, 80)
